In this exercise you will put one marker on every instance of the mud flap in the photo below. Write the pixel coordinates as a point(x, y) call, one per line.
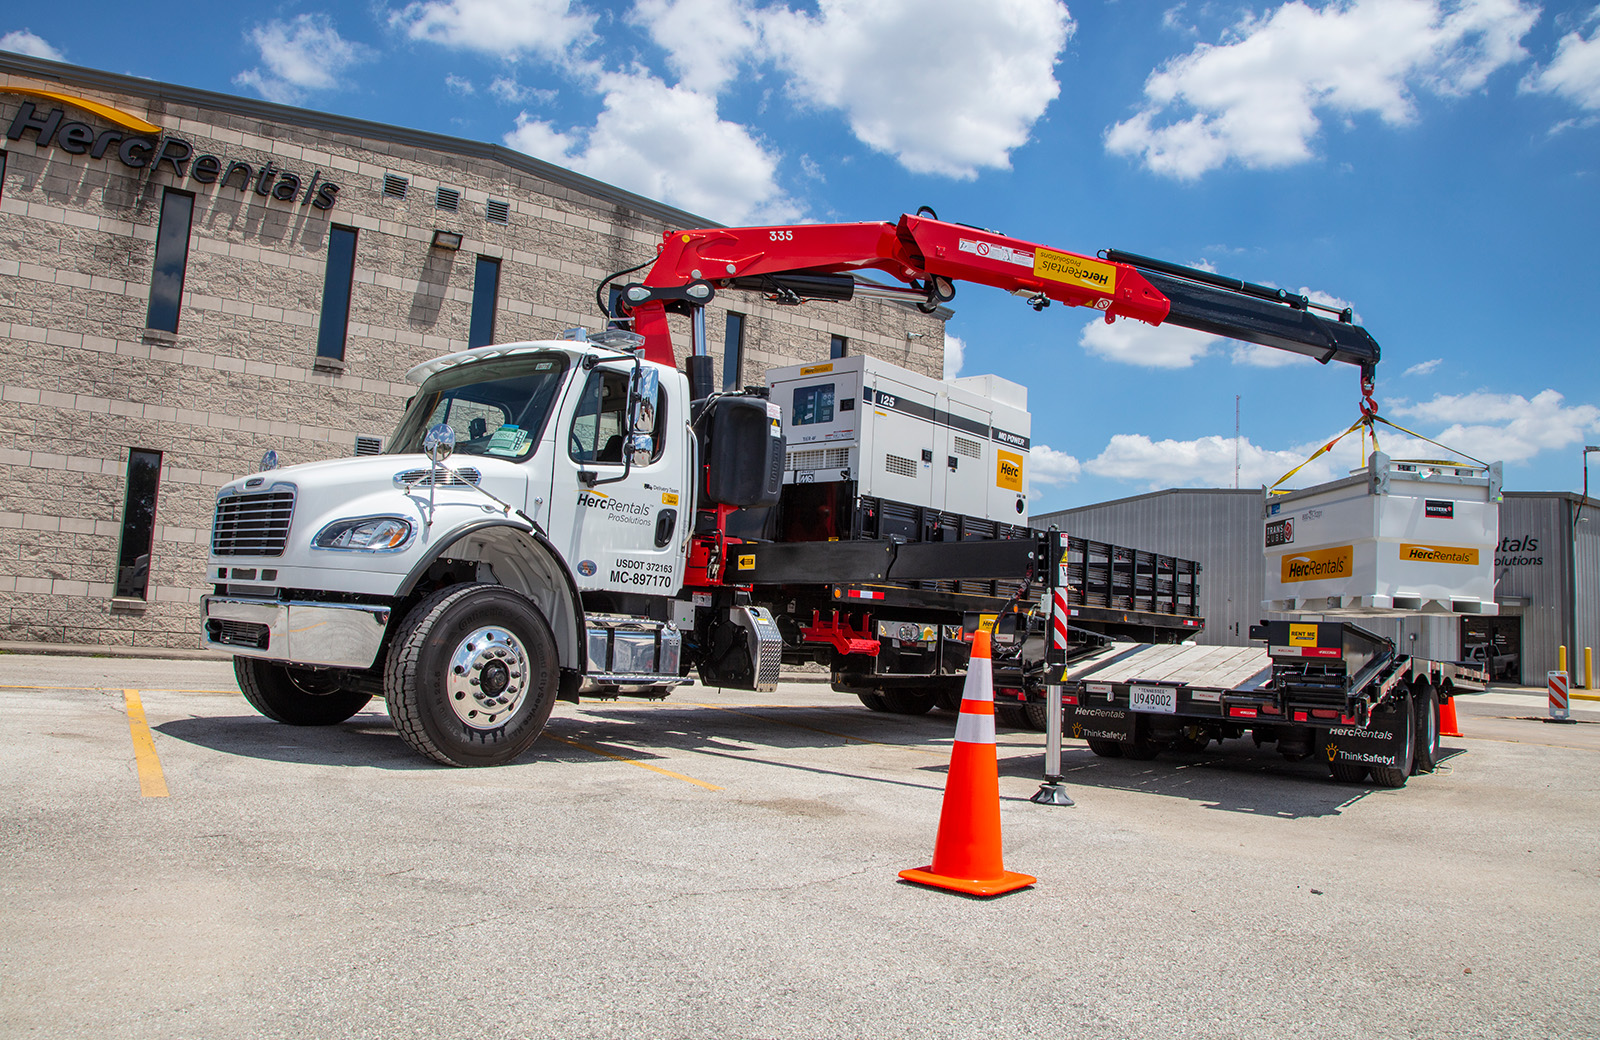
point(1381, 743)
point(1086, 722)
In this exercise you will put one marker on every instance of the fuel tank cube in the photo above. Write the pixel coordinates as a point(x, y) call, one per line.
point(1399, 537)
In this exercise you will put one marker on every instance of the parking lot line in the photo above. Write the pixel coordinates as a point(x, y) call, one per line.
point(152, 783)
point(632, 762)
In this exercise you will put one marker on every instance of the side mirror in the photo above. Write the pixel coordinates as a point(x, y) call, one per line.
point(439, 443)
point(646, 391)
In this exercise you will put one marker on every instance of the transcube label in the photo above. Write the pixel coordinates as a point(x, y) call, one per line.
point(1439, 554)
point(1338, 562)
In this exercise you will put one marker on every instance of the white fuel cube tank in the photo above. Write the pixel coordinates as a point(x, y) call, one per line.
point(1399, 537)
point(959, 445)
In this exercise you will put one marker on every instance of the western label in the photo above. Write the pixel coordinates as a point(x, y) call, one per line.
point(1302, 635)
point(1075, 270)
point(1439, 554)
point(1441, 510)
point(1338, 562)
point(1008, 470)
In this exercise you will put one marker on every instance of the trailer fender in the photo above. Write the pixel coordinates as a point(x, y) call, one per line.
point(526, 562)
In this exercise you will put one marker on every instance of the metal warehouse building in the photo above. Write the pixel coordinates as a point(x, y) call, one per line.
point(1547, 574)
point(190, 278)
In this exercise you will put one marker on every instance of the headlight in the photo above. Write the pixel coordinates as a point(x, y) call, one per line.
point(365, 534)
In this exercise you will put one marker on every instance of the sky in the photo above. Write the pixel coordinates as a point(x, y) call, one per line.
point(1431, 164)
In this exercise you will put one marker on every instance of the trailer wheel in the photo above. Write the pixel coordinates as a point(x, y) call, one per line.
point(1426, 703)
point(1038, 715)
point(472, 675)
point(909, 702)
point(1405, 717)
point(874, 701)
point(1013, 715)
point(1140, 750)
point(295, 696)
point(1105, 748)
point(1348, 772)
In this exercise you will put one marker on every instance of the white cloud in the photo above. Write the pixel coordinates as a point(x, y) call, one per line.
point(507, 28)
point(23, 41)
point(1506, 427)
point(1133, 342)
point(460, 85)
point(955, 355)
point(946, 87)
point(1423, 368)
point(303, 54)
point(1202, 462)
point(1574, 73)
point(705, 40)
point(1049, 466)
point(667, 143)
point(1255, 98)
point(507, 89)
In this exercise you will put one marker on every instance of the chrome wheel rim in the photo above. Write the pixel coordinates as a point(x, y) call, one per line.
point(488, 678)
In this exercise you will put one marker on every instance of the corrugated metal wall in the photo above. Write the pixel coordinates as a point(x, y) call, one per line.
point(1587, 577)
point(1542, 573)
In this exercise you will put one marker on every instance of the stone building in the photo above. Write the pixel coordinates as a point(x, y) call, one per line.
point(190, 278)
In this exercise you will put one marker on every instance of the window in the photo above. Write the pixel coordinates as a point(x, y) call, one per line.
point(838, 347)
point(138, 524)
point(733, 352)
point(600, 427)
point(172, 260)
point(335, 323)
point(2, 171)
point(612, 296)
point(485, 289)
point(497, 408)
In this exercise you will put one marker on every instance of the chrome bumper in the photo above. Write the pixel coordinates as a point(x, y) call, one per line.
point(334, 634)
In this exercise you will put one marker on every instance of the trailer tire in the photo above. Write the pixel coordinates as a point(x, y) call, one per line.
point(1105, 748)
point(448, 643)
point(1140, 750)
point(1013, 715)
point(908, 702)
point(873, 701)
point(1348, 772)
point(1396, 775)
point(1038, 713)
point(295, 696)
point(1426, 704)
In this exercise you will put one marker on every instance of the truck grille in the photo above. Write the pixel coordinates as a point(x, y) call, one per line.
point(255, 523)
point(462, 477)
point(239, 633)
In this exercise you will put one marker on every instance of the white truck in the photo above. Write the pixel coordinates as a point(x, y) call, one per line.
point(560, 516)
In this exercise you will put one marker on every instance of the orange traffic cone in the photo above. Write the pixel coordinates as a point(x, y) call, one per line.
point(966, 854)
point(1448, 725)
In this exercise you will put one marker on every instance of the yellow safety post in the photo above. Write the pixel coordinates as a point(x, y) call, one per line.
point(1561, 659)
point(1588, 668)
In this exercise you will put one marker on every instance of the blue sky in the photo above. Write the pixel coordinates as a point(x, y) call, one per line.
point(1431, 163)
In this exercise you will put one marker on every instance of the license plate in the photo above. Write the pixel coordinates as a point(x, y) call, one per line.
point(1162, 699)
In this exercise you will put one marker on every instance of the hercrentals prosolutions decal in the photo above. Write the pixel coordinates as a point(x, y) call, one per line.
point(140, 144)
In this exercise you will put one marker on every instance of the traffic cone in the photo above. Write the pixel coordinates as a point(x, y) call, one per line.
point(1448, 725)
point(966, 854)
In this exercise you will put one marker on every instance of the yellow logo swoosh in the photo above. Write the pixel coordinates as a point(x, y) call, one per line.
point(106, 112)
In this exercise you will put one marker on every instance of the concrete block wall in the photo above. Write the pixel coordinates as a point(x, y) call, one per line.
point(84, 382)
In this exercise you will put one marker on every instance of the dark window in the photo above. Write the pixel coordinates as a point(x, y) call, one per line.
point(138, 523)
point(172, 260)
point(485, 291)
point(838, 347)
point(336, 292)
point(733, 352)
point(600, 427)
point(613, 296)
point(2, 171)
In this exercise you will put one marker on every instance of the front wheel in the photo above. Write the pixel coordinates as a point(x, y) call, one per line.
point(295, 696)
point(472, 675)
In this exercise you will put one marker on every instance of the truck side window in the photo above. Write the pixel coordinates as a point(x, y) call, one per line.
point(600, 427)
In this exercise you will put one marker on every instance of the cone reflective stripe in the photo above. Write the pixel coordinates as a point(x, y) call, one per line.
point(966, 854)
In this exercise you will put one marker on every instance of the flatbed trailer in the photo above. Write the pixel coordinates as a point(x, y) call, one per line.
point(1326, 689)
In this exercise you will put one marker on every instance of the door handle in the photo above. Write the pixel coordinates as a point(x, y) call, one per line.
point(666, 522)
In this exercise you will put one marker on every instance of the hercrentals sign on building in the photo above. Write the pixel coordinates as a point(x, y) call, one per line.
point(139, 144)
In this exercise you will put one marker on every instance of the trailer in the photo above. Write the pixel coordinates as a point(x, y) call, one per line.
point(1324, 689)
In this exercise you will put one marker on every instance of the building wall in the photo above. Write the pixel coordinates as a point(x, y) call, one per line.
point(1539, 578)
point(85, 381)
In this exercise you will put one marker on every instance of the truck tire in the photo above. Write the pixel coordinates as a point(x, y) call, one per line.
point(1426, 702)
point(1105, 748)
point(295, 696)
point(874, 701)
point(1405, 717)
point(1013, 715)
point(472, 675)
point(908, 702)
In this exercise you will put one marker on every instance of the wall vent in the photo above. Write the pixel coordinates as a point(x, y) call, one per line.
point(497, 212)
point(395, 187)
point(899, 466)
point(369, 445)
point(448, 198)
point(968, 447)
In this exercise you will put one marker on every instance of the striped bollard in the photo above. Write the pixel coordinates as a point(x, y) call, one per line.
point(1557, 682)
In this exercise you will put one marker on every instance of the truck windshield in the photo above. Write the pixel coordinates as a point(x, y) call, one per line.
point(497, 408)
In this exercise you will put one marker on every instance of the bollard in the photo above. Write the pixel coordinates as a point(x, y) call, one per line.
point(1588, 669)
point(1561, 658)
point(1557, 682)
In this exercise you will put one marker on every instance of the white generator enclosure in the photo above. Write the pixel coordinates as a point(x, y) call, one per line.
point(1399, 537)
point(959, 446)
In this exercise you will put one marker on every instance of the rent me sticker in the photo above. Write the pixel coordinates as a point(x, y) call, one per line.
point(1338, 562)
point(1302, 635)
point(1439, 554)
point(1075, 270)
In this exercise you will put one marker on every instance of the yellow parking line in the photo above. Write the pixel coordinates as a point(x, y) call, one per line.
point(633, 762)
point(152, 784)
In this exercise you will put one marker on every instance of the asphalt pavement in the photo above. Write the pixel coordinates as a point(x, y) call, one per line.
point(723, 864)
